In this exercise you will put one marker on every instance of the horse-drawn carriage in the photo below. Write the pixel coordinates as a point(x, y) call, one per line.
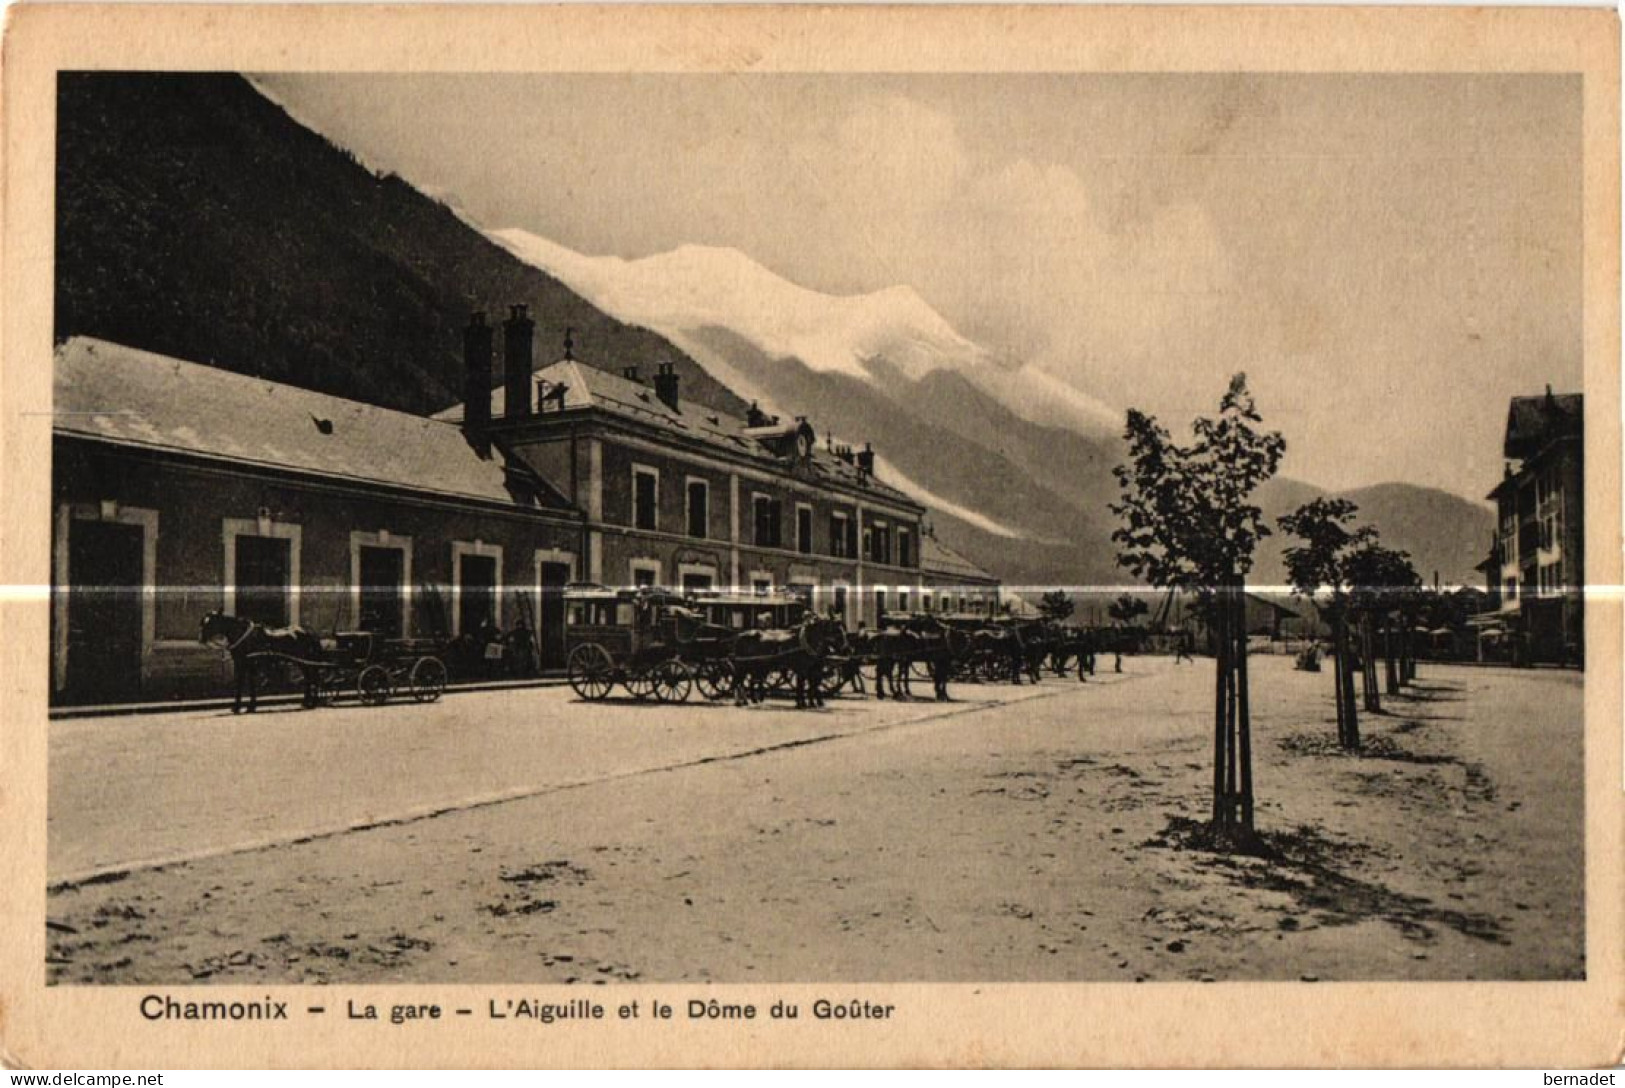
point(375, 668)
point(653, 642)
point(627, 637)
point(725, 615)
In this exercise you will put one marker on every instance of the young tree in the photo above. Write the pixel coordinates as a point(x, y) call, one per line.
point(1317, 570)
point(1126, 609)
point(1379, 578)
point(1056, 606)
point(1187, 524)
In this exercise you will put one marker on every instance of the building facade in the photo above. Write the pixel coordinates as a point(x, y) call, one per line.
point(685, 495)
point(952, 583)
point(1535, 573)
point(180, 488)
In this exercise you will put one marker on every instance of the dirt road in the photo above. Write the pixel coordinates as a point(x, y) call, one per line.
point(1037, 839)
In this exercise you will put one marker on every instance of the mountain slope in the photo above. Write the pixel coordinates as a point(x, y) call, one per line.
point(1028, 454)
point(197, 219)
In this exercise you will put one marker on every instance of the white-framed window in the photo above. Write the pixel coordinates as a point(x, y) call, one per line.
point(840, 535)
point(262, 569)
point(141, 559)
point(879, 537)
point(768, 518)
point(840, 591)
point(761, 582)
point(905, 548)
point(804, 528)
point(476, 586)
point(553, 570)
point(381, 583)
point(643, 572)
point(646, 498)
point(902, 600)
point(697, 507)
point(696, 576)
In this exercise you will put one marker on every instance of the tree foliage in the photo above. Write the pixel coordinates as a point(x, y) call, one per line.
point(1056, 605)
point(1126, 609)
point(1317, 564)
point(1187, 521)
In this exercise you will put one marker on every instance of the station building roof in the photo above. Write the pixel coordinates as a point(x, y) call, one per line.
point(128, 397)
point(581, 385)
point(939, 559)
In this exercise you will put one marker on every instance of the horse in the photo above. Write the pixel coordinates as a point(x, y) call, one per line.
point(799, 651)
point(1074, 642)
point(243, 638)
point(938, 645)
point(999, 647)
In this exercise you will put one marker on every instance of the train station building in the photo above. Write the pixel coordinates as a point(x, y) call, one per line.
point(180, 488)
point(685, 495)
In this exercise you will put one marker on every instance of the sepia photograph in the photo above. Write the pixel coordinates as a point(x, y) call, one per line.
point(570, 531)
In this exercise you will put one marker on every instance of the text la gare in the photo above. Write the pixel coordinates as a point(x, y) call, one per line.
point(398, 1014)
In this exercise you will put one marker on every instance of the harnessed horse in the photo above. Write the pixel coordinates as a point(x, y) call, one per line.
point(243, 638)
point(799, 650)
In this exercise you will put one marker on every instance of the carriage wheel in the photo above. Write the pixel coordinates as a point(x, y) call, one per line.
point(639, 683)
point(833, 681)
point(715, 679)
point(591, 672)
point(373, 685)
point(672, 682)
point(782, 681)
point(428, 679)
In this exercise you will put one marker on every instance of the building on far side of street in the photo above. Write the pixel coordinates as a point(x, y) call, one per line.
point(1536, 569)
point(180, 488)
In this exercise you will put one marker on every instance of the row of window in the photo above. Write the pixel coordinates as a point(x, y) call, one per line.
point(768, 523)
point(262, 569)
point(646, 572)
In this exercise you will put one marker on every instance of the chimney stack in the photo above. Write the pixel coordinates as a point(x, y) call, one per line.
point(476, 373)
point(666, 385)
point(866, 460)
point(519, 333)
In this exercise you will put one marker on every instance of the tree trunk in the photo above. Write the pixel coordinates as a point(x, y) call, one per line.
point(1368, 662)
point(1339, 663)
point(1232, 734)
point(1244, 716)
point(1221, 681)
point(1350, 736)
point(1390, 654)
point(1407, 673)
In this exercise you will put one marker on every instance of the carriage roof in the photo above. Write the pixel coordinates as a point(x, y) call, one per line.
point(591, 591)
point(753, 600)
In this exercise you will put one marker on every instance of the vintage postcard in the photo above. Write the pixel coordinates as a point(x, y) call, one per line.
point(801, 536)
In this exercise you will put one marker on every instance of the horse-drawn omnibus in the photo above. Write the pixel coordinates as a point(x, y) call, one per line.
point(627, 637)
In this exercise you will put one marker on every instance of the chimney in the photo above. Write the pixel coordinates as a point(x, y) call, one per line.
point(754, 416)
point(666, 385)
point(519, 332)
point(476, 373)
point(866, 460)
point(630, 373)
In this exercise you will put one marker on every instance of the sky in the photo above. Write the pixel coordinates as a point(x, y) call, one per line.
point(1390, 258)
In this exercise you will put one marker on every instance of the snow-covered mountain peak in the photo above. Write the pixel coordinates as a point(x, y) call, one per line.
point(694, 288)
